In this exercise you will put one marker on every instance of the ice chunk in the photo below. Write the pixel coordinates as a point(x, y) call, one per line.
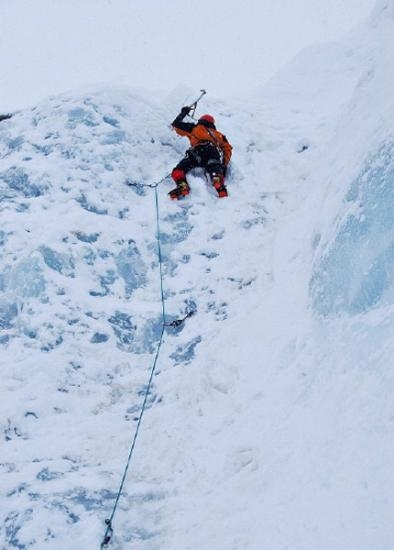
point(15, 144)
point(26, 279)
point(124, 330)
point(99, 338)
point(47, 475)
point(113, 138)
point(8, 312)
point(107, 280)
point(86, 237)
point(58, 262)
point(110, 120)
point(78, 115)
point(18, 180)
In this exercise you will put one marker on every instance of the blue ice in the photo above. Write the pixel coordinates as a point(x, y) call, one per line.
point(131, 268)
point(124, 330)
point(26, 280)
point(138, 188)
point(185, 353)
point(180, 228)
point(108, 279)
point(113, 138)
point(44, 149)
point(83, 201)
point(150, 335)
point(110, 120)
point(13, 524)
point(18, 180)
point(81, 116)
point(47, 475)
point(52, 345)
point(89, 257)
point(16, 143)
point(80, 496)
point(58, 262)
point(8, 312)
point(357, 273)
point(99, 338)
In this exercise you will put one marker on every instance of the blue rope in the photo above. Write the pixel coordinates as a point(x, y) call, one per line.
point(109, 530)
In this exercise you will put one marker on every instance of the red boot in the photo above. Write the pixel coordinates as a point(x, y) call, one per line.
point(182, 189)
point(218, 183)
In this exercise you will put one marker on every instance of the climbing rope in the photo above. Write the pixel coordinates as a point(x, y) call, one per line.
point(109, 529)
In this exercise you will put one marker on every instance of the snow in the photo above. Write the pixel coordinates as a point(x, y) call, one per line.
point(269, 421)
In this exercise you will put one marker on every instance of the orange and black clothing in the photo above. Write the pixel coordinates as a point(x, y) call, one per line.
point(209, 147)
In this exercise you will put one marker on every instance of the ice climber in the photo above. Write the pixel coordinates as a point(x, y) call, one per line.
point(209, 150)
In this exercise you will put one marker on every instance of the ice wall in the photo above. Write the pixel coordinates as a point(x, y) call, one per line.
point(352, 270)
point(357, 272)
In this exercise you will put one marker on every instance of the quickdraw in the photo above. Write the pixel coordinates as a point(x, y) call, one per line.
point(179, 322)
point(151, 185)
point(108, 535)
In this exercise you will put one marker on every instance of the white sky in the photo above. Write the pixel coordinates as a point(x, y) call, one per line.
point(225, 46)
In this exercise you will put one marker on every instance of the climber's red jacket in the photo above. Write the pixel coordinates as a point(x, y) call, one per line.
point(200, 133)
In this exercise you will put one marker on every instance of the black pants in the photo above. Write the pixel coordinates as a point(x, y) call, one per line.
point(204, 156)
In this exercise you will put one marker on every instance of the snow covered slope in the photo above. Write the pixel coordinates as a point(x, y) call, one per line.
point(269, 424)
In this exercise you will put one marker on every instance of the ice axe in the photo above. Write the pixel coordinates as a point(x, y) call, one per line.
point(193, 106)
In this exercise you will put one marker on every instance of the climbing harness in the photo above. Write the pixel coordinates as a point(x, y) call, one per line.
point(108, 522)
